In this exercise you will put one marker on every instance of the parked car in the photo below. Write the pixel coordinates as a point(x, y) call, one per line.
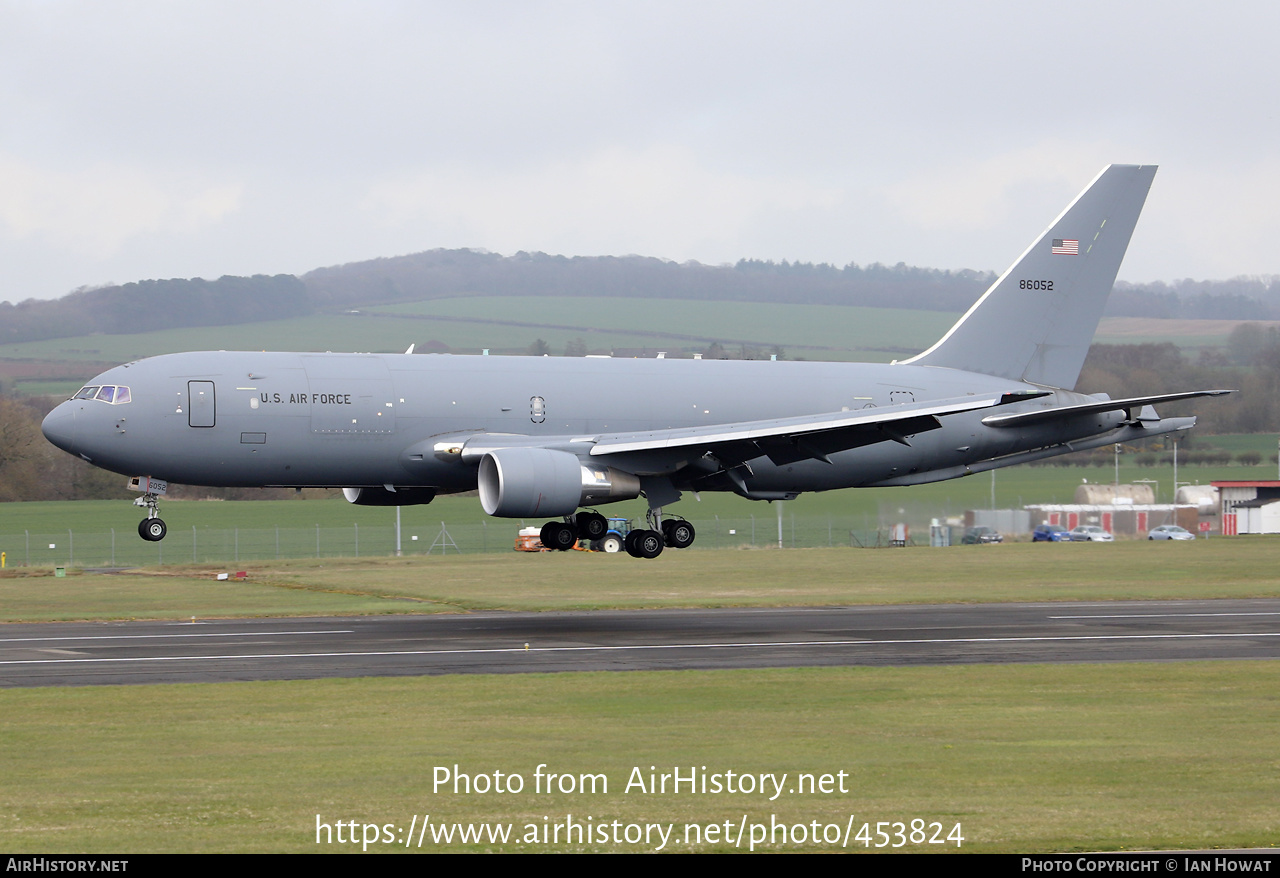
point(1090, 533)
point(1170, 532)
point(1050, 533)
point(981, 534)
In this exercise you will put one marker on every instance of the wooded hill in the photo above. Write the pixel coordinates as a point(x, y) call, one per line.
point(163, 304)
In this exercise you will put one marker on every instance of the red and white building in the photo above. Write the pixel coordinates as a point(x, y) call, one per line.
point(1249, 507)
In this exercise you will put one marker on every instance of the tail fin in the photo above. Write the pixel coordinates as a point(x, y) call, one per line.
point(1036, 322)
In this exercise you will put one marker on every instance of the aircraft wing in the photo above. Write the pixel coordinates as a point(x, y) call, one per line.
point(783, 440)
point(786, 440)
point(1019, 419)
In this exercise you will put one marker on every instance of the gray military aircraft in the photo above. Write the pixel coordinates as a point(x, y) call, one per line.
point(538, 438)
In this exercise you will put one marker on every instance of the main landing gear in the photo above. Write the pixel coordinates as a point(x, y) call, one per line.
point(564, 535)
point(672, 534)
point(152, 528)
point(675, 533)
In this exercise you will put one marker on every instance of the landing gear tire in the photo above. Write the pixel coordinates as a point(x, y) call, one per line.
point(678, 534)
point(558, 535)
point(649, 544)
point(629, 543)
point(591, 525)
point(643, 543)
point(152, 529)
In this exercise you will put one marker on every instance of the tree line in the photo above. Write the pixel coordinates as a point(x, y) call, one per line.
point(163, 304)
point(155, 304)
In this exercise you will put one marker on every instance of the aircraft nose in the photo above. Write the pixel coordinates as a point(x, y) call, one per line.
point(59, 427)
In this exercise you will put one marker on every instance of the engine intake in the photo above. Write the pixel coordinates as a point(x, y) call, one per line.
point(519, 482)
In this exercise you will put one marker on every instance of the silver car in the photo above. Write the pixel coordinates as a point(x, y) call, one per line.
point(1090, 533)
point(1170, 532)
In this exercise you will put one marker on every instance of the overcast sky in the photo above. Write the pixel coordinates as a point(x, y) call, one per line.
point(179, 139)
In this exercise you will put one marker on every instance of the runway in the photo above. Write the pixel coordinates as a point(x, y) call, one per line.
point(506, 643)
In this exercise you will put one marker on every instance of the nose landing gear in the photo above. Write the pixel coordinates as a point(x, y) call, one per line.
point(152, 528)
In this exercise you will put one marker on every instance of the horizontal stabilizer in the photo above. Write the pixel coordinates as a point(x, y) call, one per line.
point(1040, 416)
point(1126, 433)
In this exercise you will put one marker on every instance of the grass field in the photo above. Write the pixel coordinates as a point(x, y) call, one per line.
point(1189, 335)
point(103, 533)
point(1025, 758)
point(512, 323)
point(820, 332)
point(1216, 568)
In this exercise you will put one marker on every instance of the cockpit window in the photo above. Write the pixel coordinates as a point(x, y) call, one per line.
point(114, 394)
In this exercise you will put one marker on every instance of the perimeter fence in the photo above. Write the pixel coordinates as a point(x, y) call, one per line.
point(122, 547)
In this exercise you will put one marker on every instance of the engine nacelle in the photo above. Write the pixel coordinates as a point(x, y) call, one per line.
point(383, 497)
point(534, 482)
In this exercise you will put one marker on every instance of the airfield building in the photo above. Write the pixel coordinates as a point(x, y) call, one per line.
point(1249, 507)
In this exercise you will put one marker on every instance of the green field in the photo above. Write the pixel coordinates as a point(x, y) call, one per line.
point(104, 533)
point(510, 324)
point(1025, 758)
point(1191, 336)
point(820, 332)
point(1234, 567)
point(317, 333)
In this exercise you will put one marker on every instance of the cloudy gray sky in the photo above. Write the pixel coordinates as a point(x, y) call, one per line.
point(161, 139)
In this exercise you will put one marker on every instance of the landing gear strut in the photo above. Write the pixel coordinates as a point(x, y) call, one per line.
point(674, 533)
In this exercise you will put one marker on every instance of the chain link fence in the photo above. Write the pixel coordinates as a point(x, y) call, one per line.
point(203, 545)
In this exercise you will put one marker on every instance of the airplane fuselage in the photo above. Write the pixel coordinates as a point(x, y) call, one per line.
point(231, 418)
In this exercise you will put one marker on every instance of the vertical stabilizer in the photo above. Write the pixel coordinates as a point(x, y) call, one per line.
point(1036, 322)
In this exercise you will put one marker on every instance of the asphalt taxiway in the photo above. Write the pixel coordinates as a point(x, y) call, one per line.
point(505, 643)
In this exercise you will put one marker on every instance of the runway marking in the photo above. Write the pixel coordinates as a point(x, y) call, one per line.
point(1162, 615)
point(675, 646)
point(154, 636)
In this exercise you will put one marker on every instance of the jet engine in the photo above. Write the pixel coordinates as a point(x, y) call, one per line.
point(383, 497)
point(529, 482)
